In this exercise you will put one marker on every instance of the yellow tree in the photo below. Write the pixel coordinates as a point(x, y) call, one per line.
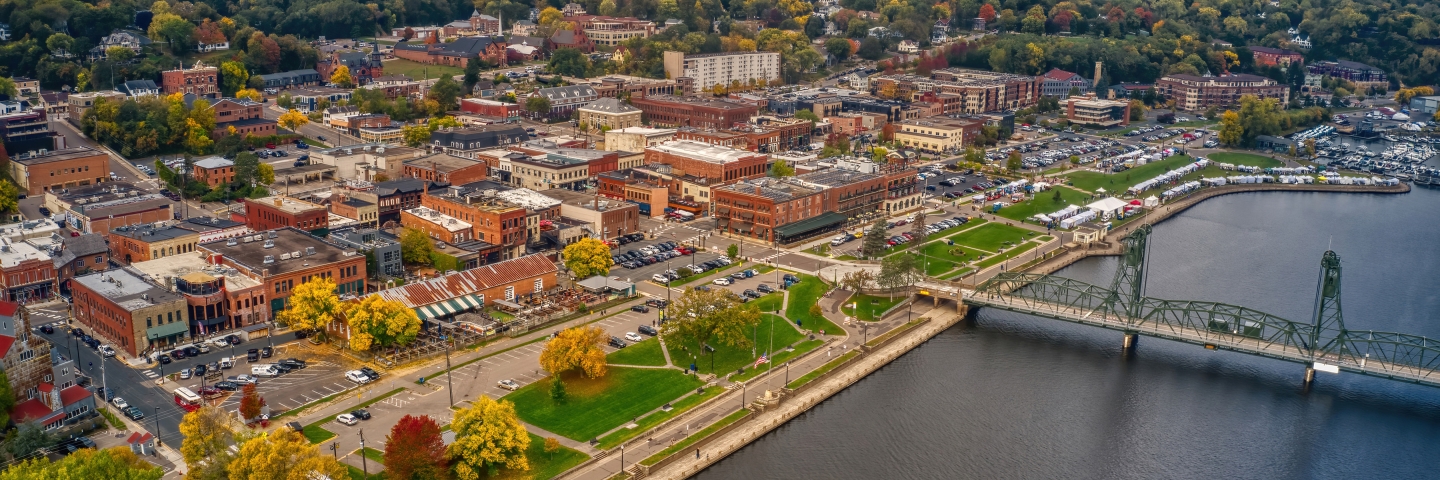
point(377, 321)
point(283, 455)
point(250, 94)
point(415, 135)
point(1231, 132)
point(266, 172)
point(312, 305)
point(293, 120)
point(206, 446)
point(341, 76)
point(587, 257)
point(549, 16)
point(577, 347)
point(488, 435)
point(85, 464)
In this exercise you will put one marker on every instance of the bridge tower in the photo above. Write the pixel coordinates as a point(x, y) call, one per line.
point(1128, 287)
point(1327, 323)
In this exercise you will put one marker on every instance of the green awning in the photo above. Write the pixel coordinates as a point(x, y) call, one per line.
point(162, 331)
point(422, 313)
point(813, 223)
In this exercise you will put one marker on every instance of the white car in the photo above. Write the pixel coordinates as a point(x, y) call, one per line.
point(184, 373)
point(632, 336)
point(119, 403)
point(347, 419)
point(357, 377)
point(244, 379)
point(220, 342)
point(508, 384)
point(722, 281)
point(106, 350)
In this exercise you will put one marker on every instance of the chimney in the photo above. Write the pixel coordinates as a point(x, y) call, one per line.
point(1098, 66)
point(279, 202)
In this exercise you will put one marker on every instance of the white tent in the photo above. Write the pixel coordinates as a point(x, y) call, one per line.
point(1108, 207)
point(1100, 190)
point(1152, 201)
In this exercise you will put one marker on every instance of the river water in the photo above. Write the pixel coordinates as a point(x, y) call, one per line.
point(1015, 396)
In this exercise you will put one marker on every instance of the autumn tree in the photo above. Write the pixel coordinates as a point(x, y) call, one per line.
point(341, 77)
point(311, 305)
point(1013, 163)
point(917, 227)
point(587, 257)
point(112, 463)
point(1137, 110)
point(415, 247)
point(488, 435)
point(207, 432)
point(415, 135)
point(250, 94)
point(806, 114)
point(987, 12)
point(293, 120)
point(377, 321)
point(702, 317)
point(251, 402)
point(283, 454)
point(551, 443)
point(781, 169)
point(856, 280)
point(414, 450)
point(578, 347)
point(208, 33)
point(1231, 132)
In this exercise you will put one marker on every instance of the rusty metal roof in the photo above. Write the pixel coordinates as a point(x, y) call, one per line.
point(471, 281)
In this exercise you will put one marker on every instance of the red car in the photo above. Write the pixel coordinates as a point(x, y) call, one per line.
point(208, 391)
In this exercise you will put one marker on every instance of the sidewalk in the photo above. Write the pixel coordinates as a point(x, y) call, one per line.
point(172, 461)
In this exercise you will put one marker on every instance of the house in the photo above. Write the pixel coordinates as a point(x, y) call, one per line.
point(55, 407)
point(26, 86)
point(140, 88)
point(135, 41)
point(363, 66)
point(575, 39)
point(293, 78)
point(573, 9)
point(80, 256)
point(456, 53)
point(907, 46)
point(200, 80)
point(524, 28)
point(940, 32)
point(1057, 83)
point(214, 171)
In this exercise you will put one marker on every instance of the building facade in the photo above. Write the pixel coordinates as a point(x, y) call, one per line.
point(1089, 110)
point(1193, 92)
point(672, 111)
point(59, 169)
point(280, 211)
point(132, 312)
point(724, 69)
point(609, 113)
point(200, 80)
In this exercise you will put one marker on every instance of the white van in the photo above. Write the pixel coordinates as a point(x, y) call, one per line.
point(264, 370)
point(227, 363)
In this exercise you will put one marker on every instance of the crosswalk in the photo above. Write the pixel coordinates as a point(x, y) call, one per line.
point(150, 374)
point(771, 257)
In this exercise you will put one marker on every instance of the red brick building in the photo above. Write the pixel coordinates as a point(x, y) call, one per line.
point(215, 171)
point(279, 273)
point(491, 108)
point(455, 53)
point(274, 212)
point(719, 165)
point(200, 80)
point(1276, 57)
point(1193, 92)
point(363, 66)
point(26, 273)
point(510, 280)
point(437, 225)
point(492, 221)
point(59, 169)
point(128, 310)
point(244, 116)
point(672, 111)
point(446, 168)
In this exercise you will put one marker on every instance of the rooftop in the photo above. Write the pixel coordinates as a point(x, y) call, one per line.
point(161, 270)
point(449, 223)
point(702, 151)
point(304, 251)
point(646, 131)
point(128, 288)
point(832, 177)
point(368, 148)
point(61, 155)
point(443, 162)
point(529, 199)
point(12, 254)
point(214, 162)
point(610, 106)
point(696, 101)
point(776, 189)
point(151, 233)
point(585, 200)
point(28, 229)
point(287, 204)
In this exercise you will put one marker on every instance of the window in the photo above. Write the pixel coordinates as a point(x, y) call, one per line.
point(539, 285)
point(510, 293)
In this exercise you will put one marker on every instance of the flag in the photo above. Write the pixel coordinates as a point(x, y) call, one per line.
point(763, 358)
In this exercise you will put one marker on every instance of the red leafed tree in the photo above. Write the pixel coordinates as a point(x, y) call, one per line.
point(409, 33)
point(887, 134)
point(924, 65)
point(1063, 19)
point(1146, 17)
point(250, 402)
point(209, 33)
point(987, 12)
point(414, 449)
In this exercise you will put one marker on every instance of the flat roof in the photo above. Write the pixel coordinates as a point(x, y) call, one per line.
point(148, 233)
point(13, 253)
point(527, 198)
point(702, 151)
point(646, 131)
point(72, 153)
point(586, 200)
point(288, 204)
point(177, 266)
point(128, 288)
point(778, 189)
point(287, 240)
point(443, 162)
point(449, 223)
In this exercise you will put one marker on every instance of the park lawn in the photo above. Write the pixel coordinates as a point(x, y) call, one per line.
point(957, 274)
point(992, 237)
point(597, 405)
point(317, 434)
point(420, 71)
point(1011, 253)
point(1117, 182)
point(543, 465)
point(650, 421)
point(728, 358)
point(894, 249)
point(645, 353)
point(373, 455)
point(802, 296)
point(771, 302)
point(1245, 159)
point(1043, 202)
point(869, 307)
point(779, 359)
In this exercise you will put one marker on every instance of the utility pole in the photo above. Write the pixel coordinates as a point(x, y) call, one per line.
point(449, 383)
point(364, 464)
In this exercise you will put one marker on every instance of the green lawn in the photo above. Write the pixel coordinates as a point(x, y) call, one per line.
point(543, 465)
point(771, 302)
point(955, 275)
point(1245, 159)
point(317, 434)
point(697, 436)
point(645, 353)
point(802, 296)
point(373, 455)
point(729, 359)
point(595, 406)
point(650, 421)
point(992, 237)
point(1044, 202)
point(973, 223)
point(419, 71)
point(869, 307)
point(357, 474)
point(778, 361)
point(995, 260)
point(1118, 182)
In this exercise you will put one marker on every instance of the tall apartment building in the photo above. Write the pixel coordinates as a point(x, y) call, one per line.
point(1193, 92)
point(981, 91)
point(723, 69)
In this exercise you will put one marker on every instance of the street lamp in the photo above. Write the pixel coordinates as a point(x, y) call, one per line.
point(449, 383)
point(364, 464)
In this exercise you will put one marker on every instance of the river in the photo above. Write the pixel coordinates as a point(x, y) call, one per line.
point(1015, 396)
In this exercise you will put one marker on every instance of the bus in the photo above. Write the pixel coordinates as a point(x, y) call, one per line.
point(187, 399)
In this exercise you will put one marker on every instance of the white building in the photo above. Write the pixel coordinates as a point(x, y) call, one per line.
point(710, 69)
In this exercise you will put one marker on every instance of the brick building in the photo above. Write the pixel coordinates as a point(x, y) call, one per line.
point(981, 91)
point(364, 66)
point(80, 255)
point(1276, 57)
point(566, 99)
point(139, 243)
point(509, 281)
point(611, 113)
point(437, 225)
point(244, 116)
point(607, 218)
point(456, 53)
point(217, 299)
point(1359, 73)
point(200, 80)
point(66, 168)
point(1089, 110)
point(287, 258)
point(280, 211)
point(133, 313)
point(445, 168)
point(395, 195)
point(214, 171)
point(100, 208)
point(26, 357)
point(672, 111)
point(27, 274)
point(717, 164)
point(491, 108)
point(493, 220)
point(1193, 92)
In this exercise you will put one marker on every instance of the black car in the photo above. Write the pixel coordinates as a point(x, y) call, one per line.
point(227, 385)
point(267, 352)
point(291, 364)
point(252, 354)
point(640, 308)
point(617, 342)
point(46, 329)
point(361, 414)
point(192, 351)
point(648, 330)
point(233, 339)
point(370, 372)
point(283, 368)
point(134, 413)
point(201, 369)
point(751, 293)
point(763, 288)
point(44, 211)
point(163, 359)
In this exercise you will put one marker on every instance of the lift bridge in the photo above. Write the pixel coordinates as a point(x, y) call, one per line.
point(1323, 343)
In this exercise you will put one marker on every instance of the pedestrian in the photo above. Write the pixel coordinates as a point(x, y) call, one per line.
point(697, 454)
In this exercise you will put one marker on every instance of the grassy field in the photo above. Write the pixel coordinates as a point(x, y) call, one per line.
point(729, 359)
point(869, 307)
point(802, 296)
point(595, 406)
point(357, 474)
point(1118, 182)
point(419, 71)
point(317, 434)
point(645, 353)
point(779, 359)
point(957, 274)
point(373, 455)
point(650, 421)
point(969, 225)
point(1245, 159)
point(543, 465)
point(1011, 253)
point(690, 440)
point(771, 302)
point(1044, 202)
point(992, 237)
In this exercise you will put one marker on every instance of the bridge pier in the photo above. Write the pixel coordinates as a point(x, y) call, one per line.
point(1130, 340)
point(1309, 376)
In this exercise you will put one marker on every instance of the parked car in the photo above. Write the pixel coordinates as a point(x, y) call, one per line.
point(119, 403)
point(508, 384)
point(617, 342)
point(267, 352)
point(648, 330)
point(369, 372)
point(106, 351)
point(134, 413)
point(347, 419)
point(252, 355)
point(724, 281)
point(227, 386)
point(163, 359)
point(46, 329)
point(361, 414)
point(632, 336)
point(357, 377)
point(640, 308)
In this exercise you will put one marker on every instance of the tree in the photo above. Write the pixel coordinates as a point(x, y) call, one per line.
point(472, 74)
point(59, 42)
point(341, 77)
point(170, 28)
point(415, 247)
point(283, 454)
point(874, 240)
point(293, 120)
point(251, 403)
point(311, 305)
point(8, 199)
point(1137, 110)
point(1231, 133)
point(733, 251)
point(987, 12)
point(537, 104)
point(607, 8)
point(871, 48)
point(917, 228)
point(445, 92)
point(377, 321)
point(897, 271)
point(488, 435)
point(1310, 148)
point(806, 114)
point(415, 135)
point(838, 47)
point(550, 15)
point(7, 87)
point(250, 94)
point(207, 434)
point(781, 169)
point(569, 62)
point(856, 280)
point(265, 173)
point(117, 463)
point(408, 34)
point(557, 390)
point(30, 438)
point(551, 443)
point(705, 316)
point(1013, 163)
point(587, 257)
point(577, 347)
point(414, 450)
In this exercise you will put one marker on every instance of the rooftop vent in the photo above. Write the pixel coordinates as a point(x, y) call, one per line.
point(231, 243)
point(285, 256)
point(269, 259)
point(269, 244)
point(295, 254)
point(274, 234)
point(309, 251)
